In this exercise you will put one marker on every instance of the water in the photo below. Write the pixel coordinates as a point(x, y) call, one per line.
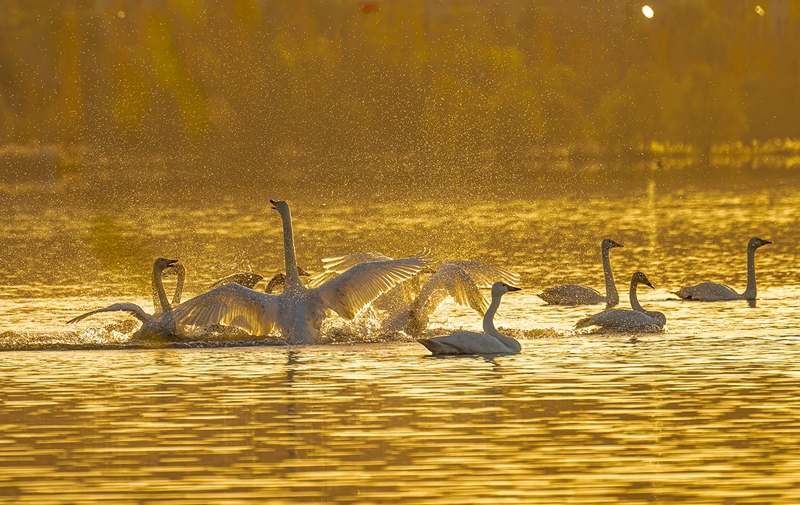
point(703, 413)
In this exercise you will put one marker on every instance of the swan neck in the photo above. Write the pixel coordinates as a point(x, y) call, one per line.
point(290, 261)
point(489, 329)
point(159, 293)
point(750, 291)
point(634, 298)
point(612, 297)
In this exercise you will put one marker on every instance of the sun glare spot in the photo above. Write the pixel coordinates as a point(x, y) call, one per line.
point(759, 10)
point(121, 14)
point(647, 11)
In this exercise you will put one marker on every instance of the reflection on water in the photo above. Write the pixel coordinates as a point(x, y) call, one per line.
point(703, 413)
point(579, 419)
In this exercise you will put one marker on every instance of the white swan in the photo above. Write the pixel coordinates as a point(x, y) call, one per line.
point(297, 312)
point(250, 279)
point(574, 294)
point(489, 342)
point(628, 320)
point(159, 325)
point(711, 292)
point(461, 280)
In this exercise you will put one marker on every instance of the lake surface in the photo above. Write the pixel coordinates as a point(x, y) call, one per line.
point(705, 412)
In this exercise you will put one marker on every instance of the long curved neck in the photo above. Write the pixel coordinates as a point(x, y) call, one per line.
point(750, 291)
point(612, 297)
point(158, 293)
point(489, 329)
point(290, 261)
point(634, 299)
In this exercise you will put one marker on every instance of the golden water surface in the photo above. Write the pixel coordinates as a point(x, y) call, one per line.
point(706, 412)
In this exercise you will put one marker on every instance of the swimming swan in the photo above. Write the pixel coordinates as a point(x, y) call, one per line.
point(161, 324)
point(574, 294)
point(628, 320)
point(250, 279)
point(711, 292)
point(298, 312)
point(461, 280)
point(489, 342)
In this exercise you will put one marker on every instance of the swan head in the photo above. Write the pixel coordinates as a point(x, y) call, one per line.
point(607, 243)
point(756, 242)
point(281, 206)
point(162, 264)
point(641, 278)
point(501, 288)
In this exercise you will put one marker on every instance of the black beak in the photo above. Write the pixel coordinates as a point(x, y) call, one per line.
point(273, 205)
point(648, 283)
point(616, 244)
point(171, 262)
point(512, 288)
point(765, 242)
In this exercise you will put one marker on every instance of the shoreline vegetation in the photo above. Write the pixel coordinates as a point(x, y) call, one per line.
point(234, 82)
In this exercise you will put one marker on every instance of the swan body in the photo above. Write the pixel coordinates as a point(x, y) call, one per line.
point(160, 324)
point(637, 319)
point(489, 342)
point(460, 280)
point(711, 292)
point(297, 312)
point(575, 294)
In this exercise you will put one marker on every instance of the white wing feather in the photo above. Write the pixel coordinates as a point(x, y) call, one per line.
point(349, 292)
point(233, 305)
point(339, 264)
point(131, 308)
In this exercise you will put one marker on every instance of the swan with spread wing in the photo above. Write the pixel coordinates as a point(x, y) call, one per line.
point(298, 312)
point(160, 324)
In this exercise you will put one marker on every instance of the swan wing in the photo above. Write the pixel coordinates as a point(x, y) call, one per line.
point(571, 294)
point(131, 308)
point(233, 305)
point(336, 265)
point(465, 343)
point(483, 274)
point(708, 292)
point(349, 292)
point(247, 279)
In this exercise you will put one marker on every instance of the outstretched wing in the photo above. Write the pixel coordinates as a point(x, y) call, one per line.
point(355, 288)
point(131, 308)
point(340, 264)
point(232, 305)
point(248, 280)
point(482, 274)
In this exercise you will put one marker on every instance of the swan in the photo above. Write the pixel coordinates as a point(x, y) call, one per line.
point(250, 279)
point(297, 312)
point(637, 319)
point(711, 292)
point(461, 280)
point(490, 341)
point(574, 294)
point(161, 324)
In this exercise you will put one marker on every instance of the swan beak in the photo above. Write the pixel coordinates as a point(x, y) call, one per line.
point(648, 284)
point(512, 288)
point(171, 262)
point(765, 242)
point(616, 244)
point(274, 207)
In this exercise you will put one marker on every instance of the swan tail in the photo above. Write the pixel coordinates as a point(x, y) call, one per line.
point(583, 323)
point(433, 347)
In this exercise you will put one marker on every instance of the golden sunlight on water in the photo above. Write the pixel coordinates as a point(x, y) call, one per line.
point(702, 413)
